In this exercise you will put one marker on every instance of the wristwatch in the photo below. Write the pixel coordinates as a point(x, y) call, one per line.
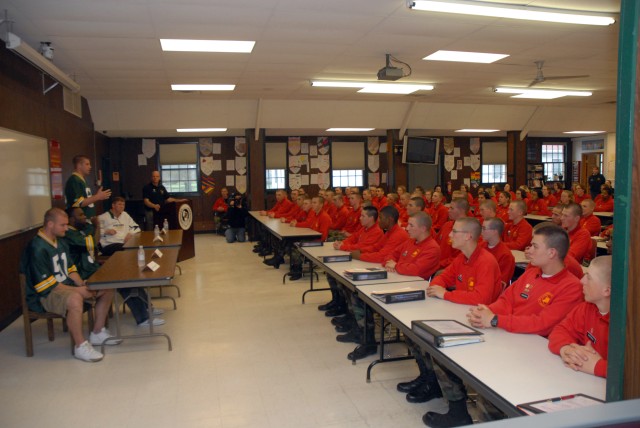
point(494, 321)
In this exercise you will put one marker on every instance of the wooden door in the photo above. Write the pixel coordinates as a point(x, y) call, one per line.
point(589, 160)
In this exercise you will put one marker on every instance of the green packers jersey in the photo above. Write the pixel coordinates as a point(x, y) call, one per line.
point(82, 250)
point(45, 264)
point(76, 190)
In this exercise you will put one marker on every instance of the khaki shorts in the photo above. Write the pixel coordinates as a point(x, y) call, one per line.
point(56, 301)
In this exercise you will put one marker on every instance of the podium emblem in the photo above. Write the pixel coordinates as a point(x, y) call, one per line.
point(185, 216)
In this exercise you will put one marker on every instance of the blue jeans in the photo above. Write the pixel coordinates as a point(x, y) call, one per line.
point(234, 234)
point(136, 299)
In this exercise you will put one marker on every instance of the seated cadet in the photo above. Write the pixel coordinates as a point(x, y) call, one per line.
point(566, 197)
point(367, 198)
point(517, 233)
point(393, 200)
point(282, 205)
point(394, 237)
point(579, 239)
point(220, 207)
point(352, 225)
point(589, 221)
point(570, 263)
point(381, 198)
point(458, 209)
point(291, 210)
point(318, 221)
point(537, 205)
point(428, 203)
point(549, 197)
point(502, 208)
point(116, 227)
point(405, 198)
point(473, 277)
point(340, 217)
point(487, 210)
point(533, 304)
point(329, 205)
point(582, 338)
point(604, 201)
point(579, 194)
point(280, 249)
point(296, 212)
point(556, 214)
point(439, 212)
point(80, 240)
point(53, 285)
point(414, 206)
point(492, 230)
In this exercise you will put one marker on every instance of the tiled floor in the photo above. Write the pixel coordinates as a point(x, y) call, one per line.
point(246, 353)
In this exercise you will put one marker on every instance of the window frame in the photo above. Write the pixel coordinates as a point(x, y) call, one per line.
point(164, 167)
point(551, 164)
point(283, 185)
point(485, 176)
point(347, 174)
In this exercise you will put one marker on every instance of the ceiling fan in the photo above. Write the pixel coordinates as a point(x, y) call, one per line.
point(541, 78)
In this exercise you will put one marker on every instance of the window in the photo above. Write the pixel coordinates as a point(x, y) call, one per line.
point(494, 173)
point(275, 179)
point(347, 177)
point(553, 160)
point(181, 178)
point(179, 167)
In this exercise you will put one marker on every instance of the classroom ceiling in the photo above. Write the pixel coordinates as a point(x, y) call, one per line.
point(112, 49)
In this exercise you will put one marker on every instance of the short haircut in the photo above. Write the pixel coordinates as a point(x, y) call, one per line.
point(485, 194)
point(52, 214)
point(569, 193)
point(538, 193)
point(589, 202)
point(490, 204)
point(461, 203)
point(559, 207)
point(320, 198)
point(554, 237)
point(357, 195)
point(423, 220)
point(117, 199)
point(506, 195)
point(306, 197)
point(419, 202)
point(79, 158)
point(494, 223)
point(390, 211)
point(402, 187)
point(574, 208)
point(371, 212)
point(522, 207)
point(471, 225)
point(604, 265)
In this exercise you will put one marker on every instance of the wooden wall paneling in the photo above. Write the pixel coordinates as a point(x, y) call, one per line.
point(398, 171)
point(516, 160)
point(256, 165)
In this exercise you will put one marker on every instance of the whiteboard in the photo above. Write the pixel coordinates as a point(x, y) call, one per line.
point(25, 189)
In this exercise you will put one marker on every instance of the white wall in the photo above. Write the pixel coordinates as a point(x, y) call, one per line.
point(609, 166)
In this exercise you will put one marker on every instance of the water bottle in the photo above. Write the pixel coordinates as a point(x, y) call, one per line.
point(141, 262)
point(156, 232)
point(165, 225)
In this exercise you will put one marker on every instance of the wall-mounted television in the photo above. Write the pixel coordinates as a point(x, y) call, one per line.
point(421, 150)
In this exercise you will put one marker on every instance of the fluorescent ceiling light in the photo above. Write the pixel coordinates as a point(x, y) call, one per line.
point(497, 10)
point(477, 130)
point(374, 87)
point(460, 56)
point(184, 45)
point(584, 132)
point(201, 129)
point(7, 140)
point(203, 87)
point(541, 94)
point(350, 129)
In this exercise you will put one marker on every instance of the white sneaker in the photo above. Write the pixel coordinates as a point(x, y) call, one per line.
point(157, 311)
point(156, 322)
point(97, 339)
point(85, 352)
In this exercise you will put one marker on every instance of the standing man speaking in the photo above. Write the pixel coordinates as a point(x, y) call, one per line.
point(78, 193)
point(155, 195)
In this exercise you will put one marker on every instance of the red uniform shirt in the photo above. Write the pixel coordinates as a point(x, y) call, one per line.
point(417, 258)
point(505, 259)
point(393, 238)
point(503, 213)
point(365, 240)
point(352, 224)
point(471, 281)
point(538, 207)
point(447, 252)
point(517, 236)
point(551, 200)
point(308, 221)
point(572, 266)
point(603, 206)
point(404, 217)
point(584, 324)
point(580, 243)
point(289, 212)
point(293, 214)
point(579, 199)
point(534, 304)
point(592, 224)
point(280, 207)
point(220, 203)
point(439, 216)
point(320, 223)
point(340, 219)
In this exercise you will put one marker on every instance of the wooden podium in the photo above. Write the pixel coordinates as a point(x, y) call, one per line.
point(180, 216)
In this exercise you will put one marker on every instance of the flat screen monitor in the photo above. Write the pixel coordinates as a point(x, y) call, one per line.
point(421, 150)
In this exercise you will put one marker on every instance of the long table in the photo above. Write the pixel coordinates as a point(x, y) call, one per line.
point(283, 231)
point(173, 238)
point(121, 271)
point(508, 369)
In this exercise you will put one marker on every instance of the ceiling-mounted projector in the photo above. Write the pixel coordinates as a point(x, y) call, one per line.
point(389, 72)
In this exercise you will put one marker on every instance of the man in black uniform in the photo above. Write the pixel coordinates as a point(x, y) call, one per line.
point(596, 179)
point(155, 195)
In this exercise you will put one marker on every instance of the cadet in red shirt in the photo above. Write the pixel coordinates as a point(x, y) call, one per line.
point(458, 209)
point(548, 197)
point(474, 275)
point(579, 194)
point(604, 201)
point(439, 213)
point(296, 213)
point(588, 221)
point(492, 230)
point(517, 233)
point(580, 240)
point(537, 205)
point(220, 208)
point(405, 198)
point(394, 236)
point(582, 338)
point(418, 256)
point(502, 209)
point(368, 237)
point(352, 224)
point(342, 212)
point(282, 204)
